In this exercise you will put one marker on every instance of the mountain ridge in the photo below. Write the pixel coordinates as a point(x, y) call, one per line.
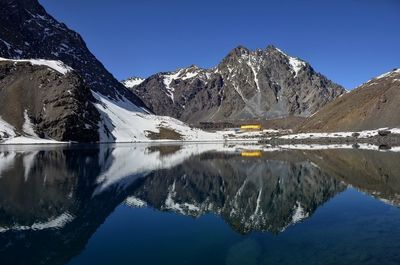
point(372, 105)
point(246, 84)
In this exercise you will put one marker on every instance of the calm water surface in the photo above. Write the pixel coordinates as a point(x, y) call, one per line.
point(198, 204)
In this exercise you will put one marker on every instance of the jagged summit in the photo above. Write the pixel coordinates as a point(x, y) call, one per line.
point(246, 84)
point(239, 50)
point(271, 47)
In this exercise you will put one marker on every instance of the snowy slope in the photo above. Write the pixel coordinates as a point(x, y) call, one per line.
point(6, 130)
point(295, 63)
point(122, 121)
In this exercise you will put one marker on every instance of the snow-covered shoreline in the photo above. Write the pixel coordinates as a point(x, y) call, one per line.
point(306, 139)
point(123, 122)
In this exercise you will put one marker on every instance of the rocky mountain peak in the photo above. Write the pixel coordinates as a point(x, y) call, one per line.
point(240, 49)
point(28, 32)
point(193, 67)
point(271, 47)
point(247, 84)
point(237, 53)
point(271, 51)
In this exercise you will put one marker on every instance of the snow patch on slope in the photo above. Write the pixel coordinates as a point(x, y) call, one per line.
point(251, 63)
point(239, 91)
point(387, 74)
point(295, 63)
point(122, 121)
point(167, 82)
point(181, 74)
point(6, 130)
point(9, 136)
point(27, 127)
point(396, 71)
point(55, 65)
point(132, 82)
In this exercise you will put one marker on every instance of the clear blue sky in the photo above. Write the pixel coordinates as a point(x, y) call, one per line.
point(349, 41)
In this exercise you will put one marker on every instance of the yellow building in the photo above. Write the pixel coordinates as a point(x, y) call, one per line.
point(251, 127)
point(250, 153)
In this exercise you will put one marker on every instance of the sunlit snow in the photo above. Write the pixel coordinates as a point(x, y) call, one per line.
point(55, 65)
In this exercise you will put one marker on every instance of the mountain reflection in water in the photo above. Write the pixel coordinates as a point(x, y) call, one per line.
point(53, 199)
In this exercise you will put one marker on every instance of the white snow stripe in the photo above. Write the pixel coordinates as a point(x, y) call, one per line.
point(55, 65)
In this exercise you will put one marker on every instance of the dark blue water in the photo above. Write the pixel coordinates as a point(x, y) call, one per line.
point(198, 205)
point(350, 229)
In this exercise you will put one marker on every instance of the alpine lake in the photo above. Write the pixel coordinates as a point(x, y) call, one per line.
point(198, 204)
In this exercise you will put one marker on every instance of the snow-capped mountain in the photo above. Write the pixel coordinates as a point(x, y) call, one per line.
point(245, 85)
point(84, 102)
point(373, 105)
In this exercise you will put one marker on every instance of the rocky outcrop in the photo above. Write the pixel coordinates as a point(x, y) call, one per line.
point(39, 101)
point(28, 31)
point(260, 84)
point(373, 105)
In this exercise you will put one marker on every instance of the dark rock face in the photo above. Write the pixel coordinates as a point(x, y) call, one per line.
point(53, 105)
point(27, 31)
point(245, 85)
point(373, 105)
